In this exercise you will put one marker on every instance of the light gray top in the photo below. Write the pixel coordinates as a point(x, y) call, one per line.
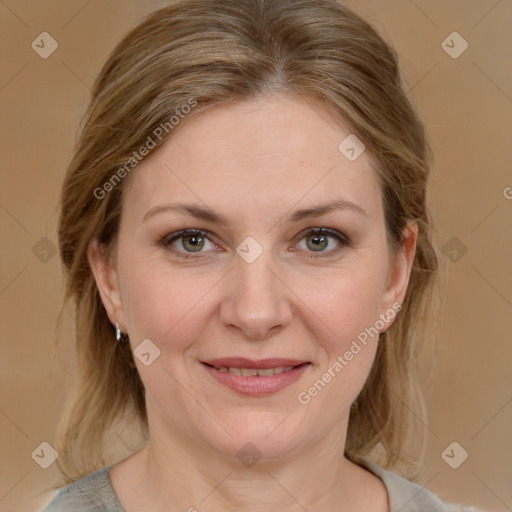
point(94, 493)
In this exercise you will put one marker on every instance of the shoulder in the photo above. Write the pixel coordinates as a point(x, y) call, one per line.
point(93, 493)
point(407, 496)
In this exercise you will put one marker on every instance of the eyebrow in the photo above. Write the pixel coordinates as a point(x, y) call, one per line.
point(206, 214)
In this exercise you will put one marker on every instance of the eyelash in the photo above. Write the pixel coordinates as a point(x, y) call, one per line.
point(340, 237)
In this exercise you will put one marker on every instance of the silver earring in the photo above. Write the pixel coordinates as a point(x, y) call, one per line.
point(119, 334)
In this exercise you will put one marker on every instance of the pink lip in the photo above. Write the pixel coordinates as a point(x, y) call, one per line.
point(242, 362)
point(256, 385)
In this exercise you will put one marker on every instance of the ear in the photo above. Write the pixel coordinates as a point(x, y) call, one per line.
point(400, 270)
point(106, 277)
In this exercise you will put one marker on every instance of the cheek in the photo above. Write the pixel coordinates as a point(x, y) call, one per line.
point(164, 305)
point(346, 310)
point(345, 303)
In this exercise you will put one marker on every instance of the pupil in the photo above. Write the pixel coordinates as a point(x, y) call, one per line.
point(319, 242)
point(194, 241)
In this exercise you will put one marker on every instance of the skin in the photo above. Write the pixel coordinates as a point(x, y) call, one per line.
point(254, 162)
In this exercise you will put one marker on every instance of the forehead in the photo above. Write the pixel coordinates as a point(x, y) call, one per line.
point(256, 156)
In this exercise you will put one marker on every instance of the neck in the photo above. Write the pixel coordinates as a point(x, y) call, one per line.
point(193, 477)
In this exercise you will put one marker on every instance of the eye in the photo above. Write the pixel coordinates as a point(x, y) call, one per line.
point(320, 240)
point(187, 242)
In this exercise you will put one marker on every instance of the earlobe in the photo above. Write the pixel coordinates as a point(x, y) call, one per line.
point(105, 276)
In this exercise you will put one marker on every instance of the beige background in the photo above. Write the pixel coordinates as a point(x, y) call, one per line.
point(467, 104)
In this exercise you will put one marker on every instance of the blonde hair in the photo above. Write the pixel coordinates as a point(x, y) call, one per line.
point(222, 51)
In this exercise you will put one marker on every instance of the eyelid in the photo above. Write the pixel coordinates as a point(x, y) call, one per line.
point(325, 231)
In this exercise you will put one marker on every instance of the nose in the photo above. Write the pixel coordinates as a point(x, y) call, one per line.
point(257, 302)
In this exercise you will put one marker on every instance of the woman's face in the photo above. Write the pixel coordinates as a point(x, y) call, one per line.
point(256, 285)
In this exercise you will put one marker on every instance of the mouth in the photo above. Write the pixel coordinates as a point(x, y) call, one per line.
point(257, 378)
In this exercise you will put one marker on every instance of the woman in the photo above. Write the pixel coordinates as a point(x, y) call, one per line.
point(246, 237)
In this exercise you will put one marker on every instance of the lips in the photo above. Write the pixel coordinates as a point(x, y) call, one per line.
point(255, 377)
point(242, 362)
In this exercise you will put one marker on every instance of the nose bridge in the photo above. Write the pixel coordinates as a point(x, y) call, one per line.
point(257, 302)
